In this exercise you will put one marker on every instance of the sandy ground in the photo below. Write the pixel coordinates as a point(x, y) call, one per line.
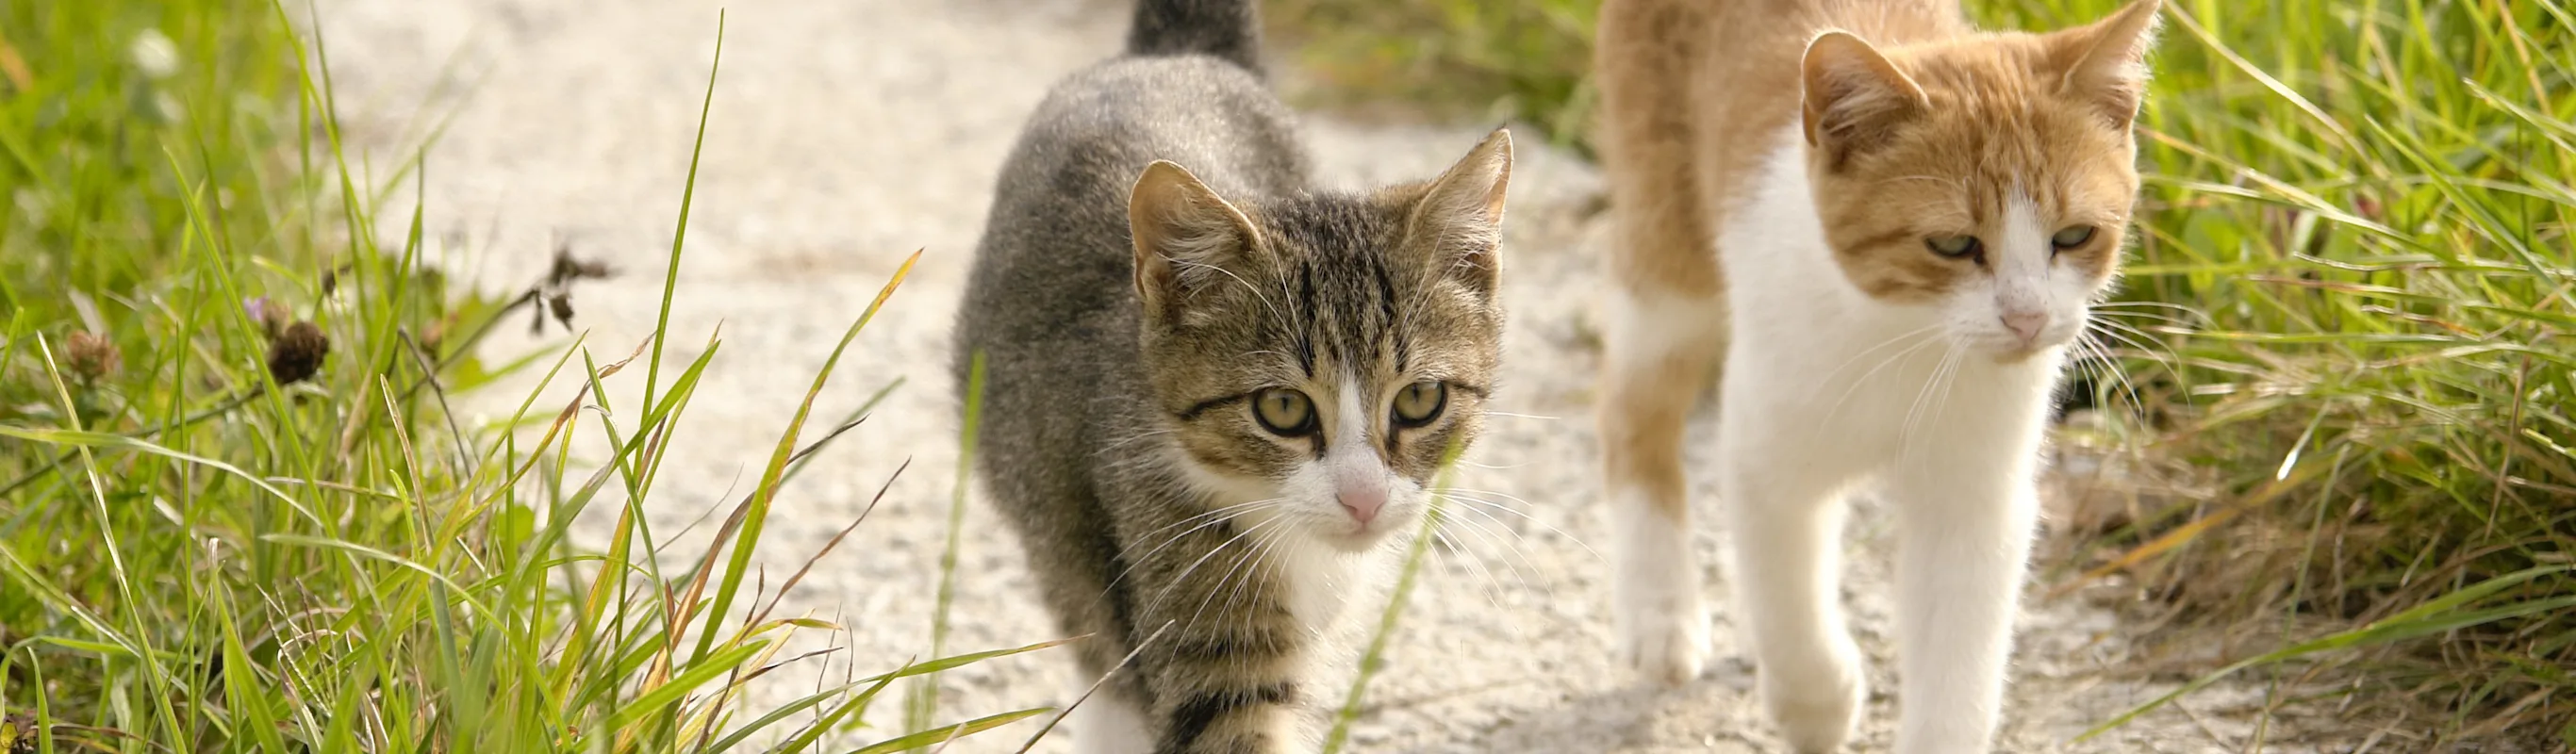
point(847, 134)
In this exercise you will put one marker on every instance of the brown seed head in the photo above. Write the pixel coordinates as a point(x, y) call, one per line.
point(297, 353)
point(271, 315)
point(569, 268)
point(92, 356)
point(18, 734)
point(431, 338)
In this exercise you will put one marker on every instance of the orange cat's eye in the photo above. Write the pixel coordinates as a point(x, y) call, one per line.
point(1954, 247)
point(2071, 236)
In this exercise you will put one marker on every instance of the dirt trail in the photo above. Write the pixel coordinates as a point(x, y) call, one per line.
point(847, 134)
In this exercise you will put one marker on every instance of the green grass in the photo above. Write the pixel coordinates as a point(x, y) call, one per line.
point(2369, 215)
point(1459, 58)
point(214, 538)
point(2346, 330)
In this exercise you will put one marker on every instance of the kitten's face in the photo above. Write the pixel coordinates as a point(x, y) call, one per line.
point(1986, 183)
point(1322, 355)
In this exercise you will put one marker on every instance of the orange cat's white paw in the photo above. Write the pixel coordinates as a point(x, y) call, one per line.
point(1815, 712)
point(1665, 643)
point(1663, 633)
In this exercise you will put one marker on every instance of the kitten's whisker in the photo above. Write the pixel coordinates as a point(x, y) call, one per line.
point(1248, 562)
point(1509, 546)
point(1262, 565)
point(1444, 529)
point(1176, 582)
point(1455, 494)
point(1423, 288)
point(1131, 439)
point(1493, 585)
point(1258, 569)
point(1275, 314)
point(1211, 518)
point(1490, 493)
point(1490, 586)
point(1498, 538)
point(1209, 514)
point(1518, 416)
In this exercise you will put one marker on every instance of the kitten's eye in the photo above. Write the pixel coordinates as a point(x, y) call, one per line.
point(1283, 411)
point(2071, 236)
point(1419, 403)
point(1953, 246)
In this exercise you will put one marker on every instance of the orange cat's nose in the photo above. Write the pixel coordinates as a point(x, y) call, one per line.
point(2026, 324)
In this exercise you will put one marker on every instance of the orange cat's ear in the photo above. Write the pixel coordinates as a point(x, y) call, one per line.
point(2105, 64)
point(1854, 97)
point(1185, 236)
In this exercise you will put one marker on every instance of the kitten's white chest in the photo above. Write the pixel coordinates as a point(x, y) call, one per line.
point(1323, 587)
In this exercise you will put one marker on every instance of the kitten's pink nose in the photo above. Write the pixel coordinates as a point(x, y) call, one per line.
point(2026, 324)
point(1362, 499)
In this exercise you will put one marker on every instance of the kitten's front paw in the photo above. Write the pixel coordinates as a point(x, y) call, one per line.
point(1664, 637)
point(1816, 713)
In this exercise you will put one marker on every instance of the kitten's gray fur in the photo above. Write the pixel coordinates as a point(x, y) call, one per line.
point(1114, 422)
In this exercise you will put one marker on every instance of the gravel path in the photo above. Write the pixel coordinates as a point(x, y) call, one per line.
point(847, 134)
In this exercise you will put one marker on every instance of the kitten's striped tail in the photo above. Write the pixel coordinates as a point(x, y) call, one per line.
point(1227, 29)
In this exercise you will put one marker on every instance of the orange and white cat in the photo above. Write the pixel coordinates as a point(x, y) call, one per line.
point(1884, 227)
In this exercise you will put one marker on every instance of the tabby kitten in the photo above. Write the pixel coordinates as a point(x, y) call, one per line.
point(1885, 226)
point(1215, 395)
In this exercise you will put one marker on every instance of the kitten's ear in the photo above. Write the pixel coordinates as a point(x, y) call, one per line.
point(1185, 236)
point(2105, 64)
point(1854, 97)
point(1461, 214)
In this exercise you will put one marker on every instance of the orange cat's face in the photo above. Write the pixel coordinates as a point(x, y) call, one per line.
point(1987, 180)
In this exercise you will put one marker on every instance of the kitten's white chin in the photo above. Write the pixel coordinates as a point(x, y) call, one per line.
point(1353, 543)
point(1354, 537)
